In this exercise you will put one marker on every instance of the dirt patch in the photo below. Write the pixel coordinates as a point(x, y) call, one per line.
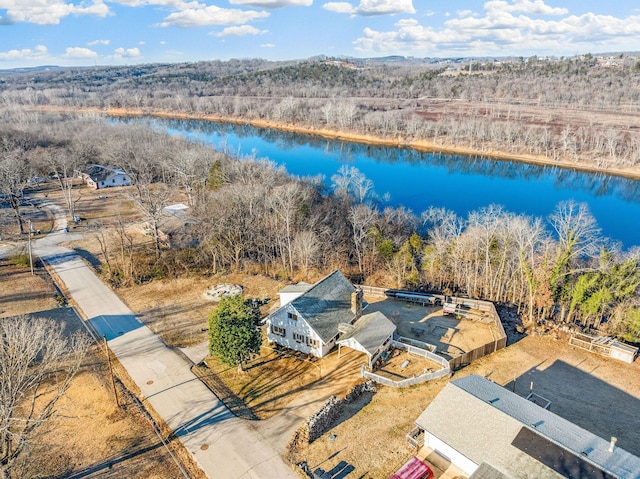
point(451, 336)
point(402, 365)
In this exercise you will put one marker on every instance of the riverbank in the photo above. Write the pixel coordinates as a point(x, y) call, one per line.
point(398, 142)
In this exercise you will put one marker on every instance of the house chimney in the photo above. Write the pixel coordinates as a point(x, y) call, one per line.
point(612, 444)
point(356, 303)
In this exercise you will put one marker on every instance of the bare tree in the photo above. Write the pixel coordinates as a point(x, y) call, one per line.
point(361, 217)
point(15, 172)
point(37, 364)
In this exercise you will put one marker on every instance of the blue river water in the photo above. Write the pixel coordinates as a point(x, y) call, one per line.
point(418, 180)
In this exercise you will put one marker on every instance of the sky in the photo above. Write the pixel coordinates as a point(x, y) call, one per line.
point(117, 32)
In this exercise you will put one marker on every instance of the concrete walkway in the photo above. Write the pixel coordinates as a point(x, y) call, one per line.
point(223, 445)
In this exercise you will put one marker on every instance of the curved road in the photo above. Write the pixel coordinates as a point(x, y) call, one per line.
point(223, 445)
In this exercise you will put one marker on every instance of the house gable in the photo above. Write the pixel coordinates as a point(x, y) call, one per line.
point(327, 304)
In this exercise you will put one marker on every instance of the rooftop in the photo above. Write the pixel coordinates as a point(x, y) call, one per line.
point(518, 437)
point(327, 304)
point(370, 331)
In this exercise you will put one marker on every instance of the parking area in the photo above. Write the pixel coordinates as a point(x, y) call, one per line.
point(452, 336)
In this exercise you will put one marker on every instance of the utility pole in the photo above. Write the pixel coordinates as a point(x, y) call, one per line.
point(30, 250)
point(113, 381)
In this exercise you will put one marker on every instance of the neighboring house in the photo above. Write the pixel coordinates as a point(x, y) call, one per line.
point(99, 176)
point(490, 432)
point(311, 318)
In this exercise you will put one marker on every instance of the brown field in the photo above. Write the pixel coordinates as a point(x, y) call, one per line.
point(92, 437)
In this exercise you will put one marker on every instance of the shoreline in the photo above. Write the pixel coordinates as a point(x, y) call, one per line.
point(417, 145)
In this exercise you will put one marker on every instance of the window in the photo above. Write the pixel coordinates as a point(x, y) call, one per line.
point(278, 331)
point(298, 338)
point(292, 316)
point(312, 342)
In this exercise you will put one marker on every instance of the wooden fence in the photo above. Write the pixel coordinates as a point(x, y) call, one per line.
point(470, 356)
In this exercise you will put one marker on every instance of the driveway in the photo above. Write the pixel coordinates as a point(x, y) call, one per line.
point(223, 446)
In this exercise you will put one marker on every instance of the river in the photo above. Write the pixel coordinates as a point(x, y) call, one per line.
point(418, 180)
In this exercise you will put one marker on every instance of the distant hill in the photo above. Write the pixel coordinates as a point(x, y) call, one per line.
point(42, 68)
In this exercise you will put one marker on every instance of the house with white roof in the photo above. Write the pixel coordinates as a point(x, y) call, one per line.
point(313, 318)
point(491, 432)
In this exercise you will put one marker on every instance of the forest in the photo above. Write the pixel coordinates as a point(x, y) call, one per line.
point(251, 216)
point(581, 110)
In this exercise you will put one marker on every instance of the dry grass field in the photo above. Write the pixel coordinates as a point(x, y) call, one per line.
point(92, 437)
point(177, 310)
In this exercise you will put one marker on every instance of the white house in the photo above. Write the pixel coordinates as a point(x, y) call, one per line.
point(490, 432)
point(99, 176)
point(311, 318)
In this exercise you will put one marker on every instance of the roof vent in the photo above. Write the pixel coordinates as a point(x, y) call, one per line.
point(612, 444)
point(491, 401)
point(587, 451)
point(536, 424)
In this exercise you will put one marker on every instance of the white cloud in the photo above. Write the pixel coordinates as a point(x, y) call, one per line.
point(211, 15)
point(177, 4)
point(272, 3)
point(506, 27)
point(372, 7)
point(39, 52)
point(339, 7)
point(535, 7)
point(99, 42)
point(267, 45)
point(48, 12)
point(239, 31)
point(79, 52)
point(126, 52)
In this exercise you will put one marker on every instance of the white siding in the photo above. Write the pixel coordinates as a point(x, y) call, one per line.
point(299, 327)
point(446, 451)
point(286, 298)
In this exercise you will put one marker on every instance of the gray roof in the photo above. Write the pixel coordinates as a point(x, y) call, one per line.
point(326, 304)
point(371, 331)
point(101, 173)
point(494, 416)
point(296, 288)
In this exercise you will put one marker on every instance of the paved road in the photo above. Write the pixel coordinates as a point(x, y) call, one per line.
point(223, 445)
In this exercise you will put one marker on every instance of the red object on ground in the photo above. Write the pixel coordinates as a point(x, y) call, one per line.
point(414, 468)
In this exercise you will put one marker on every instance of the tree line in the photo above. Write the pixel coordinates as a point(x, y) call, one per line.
point(561, 109)
point(248, 215)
